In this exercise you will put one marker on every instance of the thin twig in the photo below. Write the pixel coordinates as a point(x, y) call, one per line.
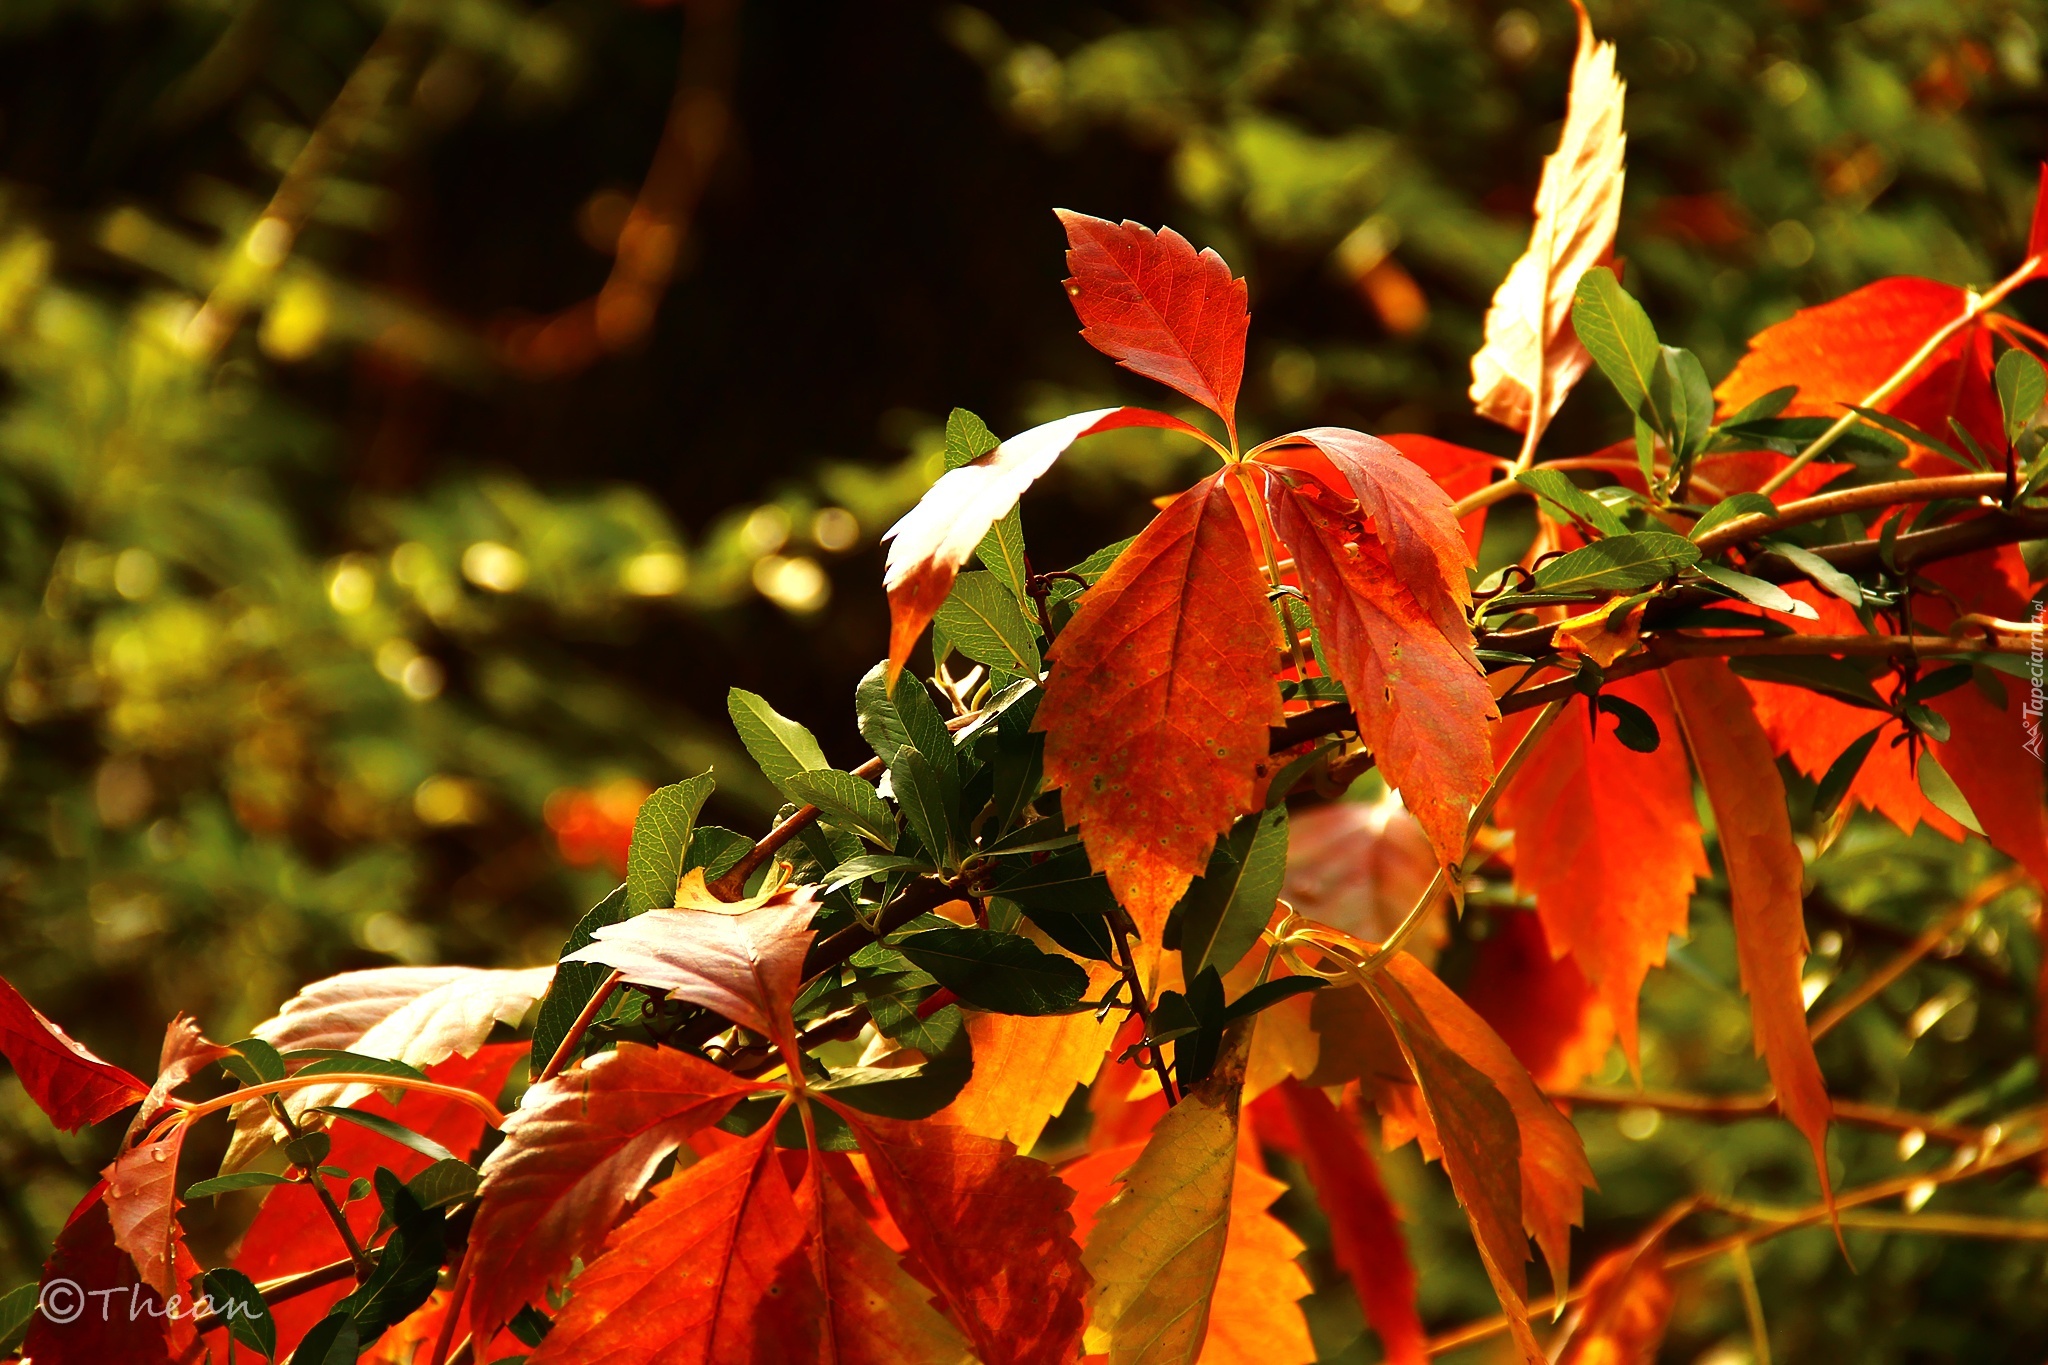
point(357, 1257)
point(287, 1287)
point(1755, 525)
point(458, 1294)
point(1764, 1103)
point(1929, 939)
point(566, 1049)
point(1752, 1303)
point(1119, 923)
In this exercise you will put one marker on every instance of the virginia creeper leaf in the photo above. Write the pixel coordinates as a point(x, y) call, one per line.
point(1740, 772)
point(1530, 347)
point(1159, 308)
point(63, 1077)
point(1161, 693)
point(134, 1328)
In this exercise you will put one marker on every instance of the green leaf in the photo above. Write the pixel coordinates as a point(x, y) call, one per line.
point(17, 1309)
point(1633, 726)
point(1728, 509)
point(1062, 884)
point(1040, 836)
point(1003, 973)
point(1554, 486)
point(240, 1306)
point(845, 800)
point(574, 982)
point(780, 746)
point(1841, 774)
point(1764, 406)
point(984, 621)
point(446, 1182)
point(327, 1061)
point(228, 1184)
point(253, 1062)
point(866, 866)
point(308, 1150)
point(390, 1128)
point(1769, 596)
point(926, 728)
point(1635, 560)
point(1230, 904)
point(1617, 333)
point(411, 1263)
point(334, 1340)
point(661, 838)
point(908, 1092)
point(1084, 935)
point(1908, 432)
point(530, 1325)
point(716, 849)
point(880, 725)
point(968, 438)
point(1941, 789)
point(1267, 994)
point(1002, 552)
point(922, 794)
point(1819, 570)
point(2022, 384)
point(1680, 388)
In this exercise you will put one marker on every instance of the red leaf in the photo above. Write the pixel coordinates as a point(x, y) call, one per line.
point(1608, 842)
point(1161, 693)
point(933, 539)
point(66, 1081)
point(119, 1320)
point(2037, 233)
point(142, 1204)
point(1627, 1306)
point(185, 1053)
point(2005, 790)
point(878, 1314)
point(990, 1228)
point(1541, 1005)
point(1158, 307)
point(1365, 1232)
point(1421, 702)
point(711, 1272)
point(292, 1233)
point(1458, 470)
point(747, 966)
point(1736, 766)
point(578, 1149)
point(1839, 352)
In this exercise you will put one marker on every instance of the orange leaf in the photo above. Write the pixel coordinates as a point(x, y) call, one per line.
point(991, 1230)
point(118, 1318)
point(63, 1077)
point(185, 1053)
point(1458, 470)
point(1421, 702)
point(142, 1205)
point(1161, 693)
point(2037, 232)
point(879, 1315)
point(690, 1277)
point(576, 1151)
point(748, 967)
point(1530, 347)
point(1541, 1005)
point(1481, 1143)
point(1364, 1229)
point(933, 539)
point(1255, 1314)
point(1736, 766)
point(1026, 1067)
point(1608, 842)
point(1626, 1308)
point(1158, 307)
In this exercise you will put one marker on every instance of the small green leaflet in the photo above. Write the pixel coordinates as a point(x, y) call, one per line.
point(253, 1062)
point(1769, 596)
point(1764, 406)
point(1229, 905)
point(17, 1308)
point(1003, 973)
point(406, 1272)
point(880, 724)
point(1617, 333)
point(239, 1304)
point(332, 1341)
point(2022, 384)
point(1062, 884)
point(574, 982)
point(1679, 388)
point(661, 838)
point(1819, 570)
point(1841, 774)
point(1635, 560)
point(1267, 994)
point(1729, 508)
point(327, 1061)
point(1633, 726)
point(779, 745)
point(228, 1184)
point(845, 800)
point(1556, 487)
point(1837, 678)
point(866, 866)
point(445, 1182)
point(387, 1128)
point(982, 620)
point(922, 792)
point(968, 438)
point(1941, 789)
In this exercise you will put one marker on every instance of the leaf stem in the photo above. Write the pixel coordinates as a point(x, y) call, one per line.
point(566, 1049)
point(1976, 306)
point(342, 1078)
point(458, 1295)
point(1267, 542)
point(358, 1258)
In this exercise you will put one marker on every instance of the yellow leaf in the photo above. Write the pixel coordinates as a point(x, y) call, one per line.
point(1026, 1067)
point(1531, 357)
point(1156, 1249)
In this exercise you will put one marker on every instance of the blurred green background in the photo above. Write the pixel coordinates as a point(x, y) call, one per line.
point(415, 414)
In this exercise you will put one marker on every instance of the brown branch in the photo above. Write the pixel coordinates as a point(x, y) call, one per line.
point(1929, 939)
point(566, 1049)
point(1764, 1104)
point(1757, 524)
point(1820, 906)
